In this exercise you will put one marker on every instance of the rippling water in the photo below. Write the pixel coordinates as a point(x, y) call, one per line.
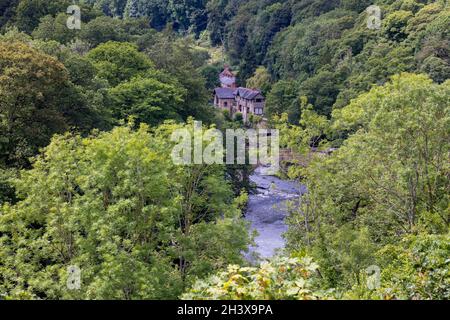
point(267, 212)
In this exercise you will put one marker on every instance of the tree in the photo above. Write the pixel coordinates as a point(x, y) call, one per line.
point(36, 101)
point(54, 28)
point(132, 9)
point(147, 100)
point(7, 9)
point(283, 98)
point(157, 12)
point(301, 50)
point(389, 176)
point(305, 8)
point(438, 69)
point(81, 70)
point(416, 268)
point(394, 25)
point(114, 8)
point(261, 80)
point(138, 226)
point(29, 12)
point(103, 29)
point(176, 58)
point(220, 12)
point(211, 75)
point(189, 14)
point(322, 90)
point(117, 62)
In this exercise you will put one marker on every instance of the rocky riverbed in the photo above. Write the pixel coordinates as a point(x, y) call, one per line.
point(267, 212)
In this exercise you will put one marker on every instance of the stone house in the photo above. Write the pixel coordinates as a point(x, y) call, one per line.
point(243, 100)
point(225, 99)
point(249, 101)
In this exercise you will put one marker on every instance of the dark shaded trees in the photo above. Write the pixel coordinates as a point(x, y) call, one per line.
point(37, 100)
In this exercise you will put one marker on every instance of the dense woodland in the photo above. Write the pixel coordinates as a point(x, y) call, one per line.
point(86, 177)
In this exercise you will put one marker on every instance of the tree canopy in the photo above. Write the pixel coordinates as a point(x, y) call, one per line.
point(138, 226)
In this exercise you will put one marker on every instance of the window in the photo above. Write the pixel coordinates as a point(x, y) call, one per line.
point(258, 111)
point(225, 104)
point(258, 100)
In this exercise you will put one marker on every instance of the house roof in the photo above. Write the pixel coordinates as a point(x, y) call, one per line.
point(224, 93)
point(227, 72)
point(227, 81)
point(247, 94)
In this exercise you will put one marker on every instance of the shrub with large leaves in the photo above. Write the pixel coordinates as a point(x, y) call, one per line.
point(279, 279)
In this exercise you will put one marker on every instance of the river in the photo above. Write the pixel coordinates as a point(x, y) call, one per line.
point(267, 211)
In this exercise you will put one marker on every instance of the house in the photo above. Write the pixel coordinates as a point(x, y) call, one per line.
point(227, 78)
point(224, 99)
point(249, 101)
point(243, 100)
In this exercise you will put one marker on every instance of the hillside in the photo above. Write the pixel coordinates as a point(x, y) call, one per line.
point(90, 118)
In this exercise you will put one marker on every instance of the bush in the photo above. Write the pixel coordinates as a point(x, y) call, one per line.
point(279, 279)
point(238, 116)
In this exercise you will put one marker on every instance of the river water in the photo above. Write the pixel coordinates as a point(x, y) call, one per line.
point(267, 211)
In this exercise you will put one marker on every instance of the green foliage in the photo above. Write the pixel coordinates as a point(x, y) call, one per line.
point(305, 8)
point(7, 9)
point(283, 99)
point(303, 49)
point(308, 133)
point(147, 100)
point(333, 67)
point(29, 12)
point(279, 279)
point(389, 177)
point(81, 70)
point(117, 62)
point(251, 32)
point(185, 15)
point(261, 80)
point(7, 192)
point(51, 28)
point(394, 25)
point(103, 29)
point(344, 256)
point(437, 68)
point(138, 226)
point(190, 14)
point(238, 117)
point(416, 268)
point(179, 59)
point(210, 73)
point(220, 12)
point(36, 100)
point(141, 228)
